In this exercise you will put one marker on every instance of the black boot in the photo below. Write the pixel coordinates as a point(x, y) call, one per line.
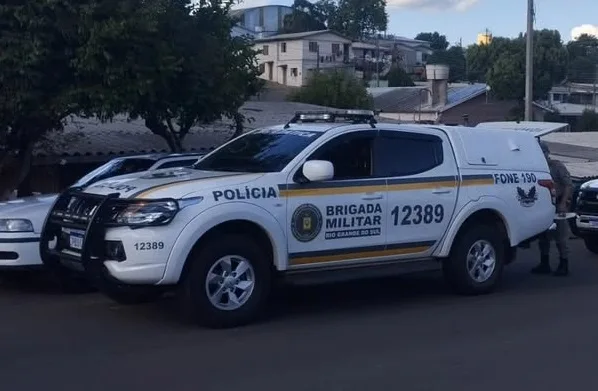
point(543, 267)
point(563, 269)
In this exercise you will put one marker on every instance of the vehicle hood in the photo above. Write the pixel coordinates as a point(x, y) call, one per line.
point(34, 209)
point(593, 184)
point(168, 183)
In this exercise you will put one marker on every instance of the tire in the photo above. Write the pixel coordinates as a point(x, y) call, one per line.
point(193, 293)
point(591, 243)
point(456, 269)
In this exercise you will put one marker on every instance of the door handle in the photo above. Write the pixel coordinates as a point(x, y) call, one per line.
point(372, 196)
point(441, 191)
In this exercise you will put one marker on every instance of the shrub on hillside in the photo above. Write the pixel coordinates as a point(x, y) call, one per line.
point(336, 89)
point(397, 77)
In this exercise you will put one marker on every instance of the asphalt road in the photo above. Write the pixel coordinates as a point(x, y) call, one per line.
point(407, 333)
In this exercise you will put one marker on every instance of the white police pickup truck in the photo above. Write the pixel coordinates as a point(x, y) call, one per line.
point(306, 198)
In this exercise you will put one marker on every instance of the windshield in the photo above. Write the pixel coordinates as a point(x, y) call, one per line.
point(113, 168)
point(267, 150)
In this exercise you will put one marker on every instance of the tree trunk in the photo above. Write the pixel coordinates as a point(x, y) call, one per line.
point(159, 128)
point(239, 126)
point(14, 168)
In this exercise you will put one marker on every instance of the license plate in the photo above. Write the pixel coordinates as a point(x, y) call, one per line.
point(75, 238)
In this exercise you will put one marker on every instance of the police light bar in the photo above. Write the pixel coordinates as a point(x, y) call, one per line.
point(354, 116)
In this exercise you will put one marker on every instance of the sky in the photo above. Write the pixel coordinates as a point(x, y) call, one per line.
point(464, 19)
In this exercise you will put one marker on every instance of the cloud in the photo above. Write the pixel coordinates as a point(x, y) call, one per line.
point(435, 5)
point(590, 29)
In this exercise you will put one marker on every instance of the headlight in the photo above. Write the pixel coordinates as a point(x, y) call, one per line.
point(145, 213)
point(15, 225)
point(149, 213)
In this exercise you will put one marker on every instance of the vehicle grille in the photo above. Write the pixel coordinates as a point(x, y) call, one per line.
point(77, 209)
point(588, 195)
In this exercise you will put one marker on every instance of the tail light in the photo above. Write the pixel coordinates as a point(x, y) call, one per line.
point(549, 184)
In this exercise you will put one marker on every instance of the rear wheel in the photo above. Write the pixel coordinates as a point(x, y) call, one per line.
point(591, 243)
point(228, 283)
point(477, 260)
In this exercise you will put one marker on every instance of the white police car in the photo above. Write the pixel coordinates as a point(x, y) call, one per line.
point(22, 219)
point(307, 198)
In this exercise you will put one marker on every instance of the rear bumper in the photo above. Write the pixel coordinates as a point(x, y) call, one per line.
point(19, 250)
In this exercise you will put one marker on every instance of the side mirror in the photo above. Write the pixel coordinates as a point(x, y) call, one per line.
point(318, 170)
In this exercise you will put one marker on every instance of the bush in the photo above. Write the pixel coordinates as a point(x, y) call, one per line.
point(397, 77)
point(336, 89)
point(588, 122)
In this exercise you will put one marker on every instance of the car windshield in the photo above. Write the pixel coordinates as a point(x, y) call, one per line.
point(113, 168)
point(266, 150)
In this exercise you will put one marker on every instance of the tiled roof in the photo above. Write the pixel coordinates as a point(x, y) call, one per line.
point(408, 99)
point(91, 140)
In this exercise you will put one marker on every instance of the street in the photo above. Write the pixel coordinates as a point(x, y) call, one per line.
point(397, 333)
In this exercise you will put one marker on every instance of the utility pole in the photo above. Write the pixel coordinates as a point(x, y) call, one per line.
point(529, 61)
point(377, 60)
point(318, 54)
point(594, 90)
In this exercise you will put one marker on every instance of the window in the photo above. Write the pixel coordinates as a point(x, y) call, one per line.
point(265, 150)
point(265, 50)
point(401, 153)
point(177, 163)
point(336, 49)
point(294, 72)
point(262, 68)
point(283, 47)
point(350, 154)
point(313, 47)
point(115, 167)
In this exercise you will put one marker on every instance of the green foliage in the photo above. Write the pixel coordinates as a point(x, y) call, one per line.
point(454, 57)
point(353, 18)
point(437, 41)
point(583, 59)
point(588, 122)
point(38, 41)
point(397, 77)
point(170, 63)
point(336, 89)
point(502, 64)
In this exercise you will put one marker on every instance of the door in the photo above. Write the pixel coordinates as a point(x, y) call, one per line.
point(422, 189)
point(341, 220)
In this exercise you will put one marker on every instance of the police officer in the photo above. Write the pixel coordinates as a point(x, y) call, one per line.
point(564, 191)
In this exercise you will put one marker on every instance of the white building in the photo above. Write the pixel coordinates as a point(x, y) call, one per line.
point(289, 59)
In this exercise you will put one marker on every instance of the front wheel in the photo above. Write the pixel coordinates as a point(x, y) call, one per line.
point(228, 283)
point(591, 243)
point(477, 260)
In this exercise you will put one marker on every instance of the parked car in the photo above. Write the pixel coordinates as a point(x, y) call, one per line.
point(586, 208)
point(283, 201)
point(21, 220)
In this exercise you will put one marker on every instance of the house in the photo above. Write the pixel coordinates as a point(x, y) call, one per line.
point(370, 58)
point(289, 59)
point(86, 143)
point(568, 101)
point(438, 101)
point(412, 54)
point(260, 21)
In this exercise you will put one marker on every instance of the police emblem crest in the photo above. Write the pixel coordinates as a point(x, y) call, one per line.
point(527, 199)
point(306, 222)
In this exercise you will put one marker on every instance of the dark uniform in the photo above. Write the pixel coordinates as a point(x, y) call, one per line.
point(563, 187)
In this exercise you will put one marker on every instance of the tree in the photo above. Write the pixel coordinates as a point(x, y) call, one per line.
point(397, 77)
point(355, 19)
point(505, 62)
point(454, 57)
point(588, 122)
point(38, 40)
point(307, 16)
point(336, 89)
point(437, 41)
point(178, 67)
point(358, 19)
point(583, 59)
